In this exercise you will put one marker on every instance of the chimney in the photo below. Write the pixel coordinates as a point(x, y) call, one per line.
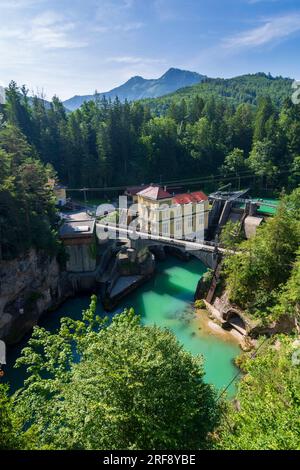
point(165, 188)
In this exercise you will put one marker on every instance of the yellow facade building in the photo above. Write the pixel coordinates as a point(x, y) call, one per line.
point(181, 216)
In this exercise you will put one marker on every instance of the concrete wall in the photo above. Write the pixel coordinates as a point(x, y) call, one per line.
point(80, 259)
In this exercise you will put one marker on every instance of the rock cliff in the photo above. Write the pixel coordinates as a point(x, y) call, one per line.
point(29, 286)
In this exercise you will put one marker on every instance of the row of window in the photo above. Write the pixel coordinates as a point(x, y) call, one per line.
point(178, 225)
point(189, 221)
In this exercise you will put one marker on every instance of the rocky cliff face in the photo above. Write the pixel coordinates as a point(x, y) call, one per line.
point(29, 286)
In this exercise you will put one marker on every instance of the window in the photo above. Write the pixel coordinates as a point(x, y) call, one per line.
point(154, 228)
point(178, 226)
point(165, 228)
point(178, 211)
point(201, 219)
point(165, 214)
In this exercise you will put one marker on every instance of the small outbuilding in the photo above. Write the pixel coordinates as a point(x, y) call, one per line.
point(78, 237)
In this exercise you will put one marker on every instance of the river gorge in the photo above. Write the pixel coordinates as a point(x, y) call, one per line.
point(167, 301)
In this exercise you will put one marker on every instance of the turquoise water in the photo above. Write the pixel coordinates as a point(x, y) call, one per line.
point(166, 300)
point(264, 208)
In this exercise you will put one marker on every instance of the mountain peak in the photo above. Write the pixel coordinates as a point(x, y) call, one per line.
point(137, 87)
point(174, 70)
point(175, 73)
point(135, 79)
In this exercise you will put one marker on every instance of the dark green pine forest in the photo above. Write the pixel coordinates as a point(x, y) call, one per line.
point(247, 125)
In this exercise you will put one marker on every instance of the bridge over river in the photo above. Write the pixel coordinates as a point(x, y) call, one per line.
point(207, 252)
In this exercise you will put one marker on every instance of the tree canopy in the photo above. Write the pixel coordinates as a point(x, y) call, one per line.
point(27, 205)
point(265, 412)
point(106, 143)
point(262, 265)
point(134, 387)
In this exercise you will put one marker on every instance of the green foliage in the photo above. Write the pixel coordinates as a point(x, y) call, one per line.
point(246, 127)
point(9, 425)
point(268, 402)
point(263, 264)
point(288, 302)
point(199, 304)
point(260, 160)
point(244, 89)
point(120, 394)
point(234, 161)
point(27, 205)
point(231, 235)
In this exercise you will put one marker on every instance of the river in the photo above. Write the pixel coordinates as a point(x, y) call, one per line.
point(167, 301)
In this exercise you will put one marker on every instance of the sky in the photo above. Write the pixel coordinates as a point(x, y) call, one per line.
point(68, 47)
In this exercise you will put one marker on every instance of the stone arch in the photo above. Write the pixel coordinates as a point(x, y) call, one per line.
point(235, 319)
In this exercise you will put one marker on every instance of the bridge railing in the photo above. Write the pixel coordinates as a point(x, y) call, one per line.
point(187, 242)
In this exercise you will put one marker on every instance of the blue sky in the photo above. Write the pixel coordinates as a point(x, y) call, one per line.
point(68, 47)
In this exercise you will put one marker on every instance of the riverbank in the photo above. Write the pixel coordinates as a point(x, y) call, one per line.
point(212, 327)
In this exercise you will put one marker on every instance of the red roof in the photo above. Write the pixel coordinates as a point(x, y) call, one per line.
point(133, 190)
point(187, 198)
point(155, 193)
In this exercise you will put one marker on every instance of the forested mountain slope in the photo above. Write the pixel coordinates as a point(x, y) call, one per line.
point(237, 90)
point(107, 143)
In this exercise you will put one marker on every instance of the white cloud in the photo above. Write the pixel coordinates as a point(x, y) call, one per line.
point(260, 1)
point(15, 4)
point(134, 60)
point(51, 31)
point(112, 9)
point(47, 18)
point(48, 30)
point(126, 28)
point(115, 15)
point(130, 26)
point(273, 29)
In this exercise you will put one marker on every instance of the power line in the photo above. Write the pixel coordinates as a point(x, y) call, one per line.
point(220, 175)
point(229, 178)
point(253, 355)
point(208, 179)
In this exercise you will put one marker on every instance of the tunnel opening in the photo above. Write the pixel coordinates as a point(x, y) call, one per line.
point(234, 320)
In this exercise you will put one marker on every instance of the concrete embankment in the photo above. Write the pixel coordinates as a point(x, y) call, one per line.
point(128, 271)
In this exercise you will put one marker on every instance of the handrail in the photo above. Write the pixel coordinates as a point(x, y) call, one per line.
point(173, 241)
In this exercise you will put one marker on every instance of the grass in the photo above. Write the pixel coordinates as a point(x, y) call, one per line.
point(92, 201)
point(264, 208)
